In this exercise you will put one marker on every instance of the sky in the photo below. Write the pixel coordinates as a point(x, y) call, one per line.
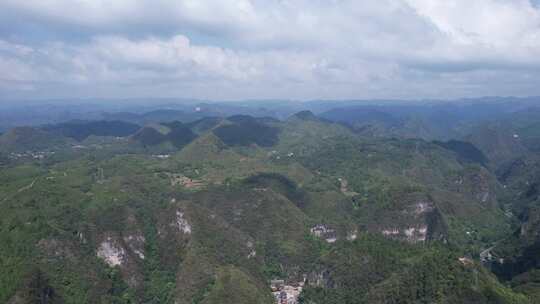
point(269, 49)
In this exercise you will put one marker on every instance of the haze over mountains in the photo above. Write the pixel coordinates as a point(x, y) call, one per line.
point(141, 111)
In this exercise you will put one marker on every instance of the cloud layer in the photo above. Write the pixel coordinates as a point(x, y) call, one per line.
point(294, 49)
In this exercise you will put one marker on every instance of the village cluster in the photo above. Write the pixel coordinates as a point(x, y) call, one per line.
point(286, 294)
point(30, 154)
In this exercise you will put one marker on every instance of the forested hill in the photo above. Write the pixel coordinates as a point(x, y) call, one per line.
point(242, 209)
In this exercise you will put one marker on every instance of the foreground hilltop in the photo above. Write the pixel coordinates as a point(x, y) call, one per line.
point(245, 209)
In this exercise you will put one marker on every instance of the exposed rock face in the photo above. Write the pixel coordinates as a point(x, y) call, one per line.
point(122, 252)
point(111, 252)
point(419, 222)
point(344, 187)
point(181, 222)
point(324, 232)
point(410, 234)
point(352, 235)
point(390, 232)
point(477, 185)
point(422, 207)
point(416, 234)
point(136, 244)
point(133, 237)
point(252, 252)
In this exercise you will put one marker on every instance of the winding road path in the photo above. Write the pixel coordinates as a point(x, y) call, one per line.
point(22, 189)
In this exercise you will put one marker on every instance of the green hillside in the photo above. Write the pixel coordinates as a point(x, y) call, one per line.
point(346, 218)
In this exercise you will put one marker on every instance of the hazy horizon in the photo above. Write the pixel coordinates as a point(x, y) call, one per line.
point(188, 100)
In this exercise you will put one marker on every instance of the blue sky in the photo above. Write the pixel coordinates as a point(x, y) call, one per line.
point(283, 49)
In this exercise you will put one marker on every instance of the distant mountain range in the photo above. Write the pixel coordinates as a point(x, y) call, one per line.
point(142, 111)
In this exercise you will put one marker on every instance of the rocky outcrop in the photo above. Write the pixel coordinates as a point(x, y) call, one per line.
point(125, 253)
point(324, 232)
point(419, 222)
point(112, 252)
point(181, 223)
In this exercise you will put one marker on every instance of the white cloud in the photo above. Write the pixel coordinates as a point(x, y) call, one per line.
point(289, 49)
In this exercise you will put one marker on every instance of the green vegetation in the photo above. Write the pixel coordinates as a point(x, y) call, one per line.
point(243, 201)
point(374, 270)
point(23, 139)
point(174, 133)
point(245, 130)
point(234, 286)
point(80, 130)
point(466, 152)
